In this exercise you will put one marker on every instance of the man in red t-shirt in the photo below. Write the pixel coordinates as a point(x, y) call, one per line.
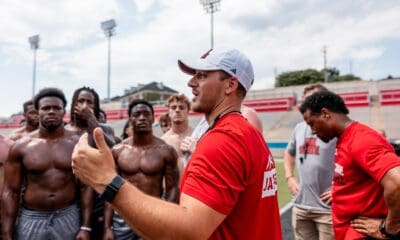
point(229, 188)
point(366, 185)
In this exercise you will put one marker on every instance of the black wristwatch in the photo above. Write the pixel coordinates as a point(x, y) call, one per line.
point(112, 189)
point(382, 229)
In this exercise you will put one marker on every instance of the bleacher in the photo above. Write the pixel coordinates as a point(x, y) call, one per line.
point(260, 105)
point(271, 104)
point(356, 99)
point(13, 122)
point(389, 97)
point(368, 101)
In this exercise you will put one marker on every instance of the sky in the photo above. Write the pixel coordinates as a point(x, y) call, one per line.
point(362, 37)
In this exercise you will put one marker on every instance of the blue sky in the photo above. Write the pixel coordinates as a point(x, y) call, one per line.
point(153, 34)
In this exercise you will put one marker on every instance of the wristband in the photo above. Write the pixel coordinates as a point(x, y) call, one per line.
point(112, 189)
point(88, 229)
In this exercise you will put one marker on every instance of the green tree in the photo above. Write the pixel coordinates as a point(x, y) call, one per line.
point(343, 78)
point(299, 77)
point(309, 76)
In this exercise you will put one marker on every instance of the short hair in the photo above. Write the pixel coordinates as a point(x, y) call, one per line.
point(324, 99)
point(164, 118)
point(26, 104)
point(49, 92)
point(137, 102)
point(96, 109)
point(241, 91)
point(179, 97)
point(312, 87)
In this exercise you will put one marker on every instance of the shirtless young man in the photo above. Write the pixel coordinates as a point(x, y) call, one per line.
point(178, 107)
point(31, 123)
point(5, 145)
point(85, 115)
point(49, 209)
point(85, 112)
point(145, 161)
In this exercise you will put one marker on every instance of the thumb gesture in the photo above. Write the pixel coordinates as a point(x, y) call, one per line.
point(94, 167)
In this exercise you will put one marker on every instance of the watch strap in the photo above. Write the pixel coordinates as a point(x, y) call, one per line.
point(382, 229)
point(112, 189)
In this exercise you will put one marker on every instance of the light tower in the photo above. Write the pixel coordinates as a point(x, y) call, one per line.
point(34, 41)
point(109, 30)
point(324, 52)
point(211, 6)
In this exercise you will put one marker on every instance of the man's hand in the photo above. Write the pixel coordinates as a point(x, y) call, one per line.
point(84, 111)
point(188, 144)
point(108, 234)
point(94, 167)
point(368, 226)
point(83, 235)
point(293, 185)
point(326, 197)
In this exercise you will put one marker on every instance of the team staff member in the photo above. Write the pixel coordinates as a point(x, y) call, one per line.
point(228, 190)
point(314, 161)
point(366, 186)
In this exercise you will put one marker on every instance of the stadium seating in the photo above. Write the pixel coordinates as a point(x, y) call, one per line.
point(389, 97)
point(356, 99)
point(271, 104)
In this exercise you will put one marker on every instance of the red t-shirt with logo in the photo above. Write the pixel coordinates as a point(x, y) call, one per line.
point(363, 156)
point(233, 172)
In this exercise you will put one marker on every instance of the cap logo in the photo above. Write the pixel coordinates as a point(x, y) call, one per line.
point(233, 70)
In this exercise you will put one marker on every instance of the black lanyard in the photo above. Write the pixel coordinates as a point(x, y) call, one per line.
point(216, 120)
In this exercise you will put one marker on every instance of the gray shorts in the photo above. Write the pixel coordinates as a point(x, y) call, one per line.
point(62, 224)
point(121, 230)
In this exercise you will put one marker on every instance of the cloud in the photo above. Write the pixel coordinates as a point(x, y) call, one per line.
point(144, 5)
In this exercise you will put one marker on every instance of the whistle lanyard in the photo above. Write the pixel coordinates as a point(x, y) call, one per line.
point(216, 120)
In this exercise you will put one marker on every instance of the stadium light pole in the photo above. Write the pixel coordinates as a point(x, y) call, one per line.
point(34, 41)
point(211, 6)
point(325, 52)
point(109, 30)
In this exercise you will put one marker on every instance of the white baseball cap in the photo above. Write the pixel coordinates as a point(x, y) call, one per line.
point(232, 61)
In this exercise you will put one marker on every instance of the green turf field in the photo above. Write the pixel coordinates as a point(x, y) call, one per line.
point(284, 195)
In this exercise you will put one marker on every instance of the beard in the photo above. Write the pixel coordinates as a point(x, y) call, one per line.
point(51, 126)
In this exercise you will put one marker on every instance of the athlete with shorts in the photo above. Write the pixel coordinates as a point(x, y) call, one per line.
point(49, 207)
point(146, 161)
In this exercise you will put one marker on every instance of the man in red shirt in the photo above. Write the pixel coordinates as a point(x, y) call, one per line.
point(366, 185)
point(228, 190)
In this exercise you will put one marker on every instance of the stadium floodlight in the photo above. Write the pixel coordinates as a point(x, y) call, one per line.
point(211, 6)
point(109, 30)
point(34, 41)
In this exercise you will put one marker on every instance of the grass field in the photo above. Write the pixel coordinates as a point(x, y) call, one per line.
point(284, 195)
